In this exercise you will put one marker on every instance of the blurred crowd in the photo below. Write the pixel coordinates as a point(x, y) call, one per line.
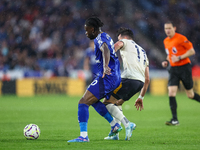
point(37, 35)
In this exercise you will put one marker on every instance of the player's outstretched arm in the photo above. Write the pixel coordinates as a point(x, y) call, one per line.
point(139, 104)
point(106, 58)
point(139, 101)
point(146, 83)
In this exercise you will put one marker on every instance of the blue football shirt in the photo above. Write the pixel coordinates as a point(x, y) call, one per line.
point(114, 62)
point(103, 87)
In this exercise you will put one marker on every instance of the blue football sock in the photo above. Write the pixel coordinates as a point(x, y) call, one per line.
point(83, 116)
point(102, 110)
point(108, 117)
point(83, 126)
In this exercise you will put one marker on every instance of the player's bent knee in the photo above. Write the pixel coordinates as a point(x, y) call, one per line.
point(88, 101)
point(172, 94)
point(190, 96)
point(190, 93)
point(82, 101)
point(120, 102)
point(109, 102)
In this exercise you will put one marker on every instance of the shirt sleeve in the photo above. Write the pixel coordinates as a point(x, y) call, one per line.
point(100, 42)
point(166, 50)
point(186, 43)
point(147, 61)
point(124, 41)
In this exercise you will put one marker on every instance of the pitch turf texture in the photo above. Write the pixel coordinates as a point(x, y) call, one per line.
point(56, 115)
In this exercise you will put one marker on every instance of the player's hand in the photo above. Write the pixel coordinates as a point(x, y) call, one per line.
point(106, 70)
point(164, 64)
point(139, 104)
point(174, 58)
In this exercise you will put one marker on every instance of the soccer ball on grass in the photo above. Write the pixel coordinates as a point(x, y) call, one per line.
point(31, 132)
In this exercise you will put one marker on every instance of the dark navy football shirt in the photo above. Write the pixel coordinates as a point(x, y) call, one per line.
point(103, 87)
point(114, 63)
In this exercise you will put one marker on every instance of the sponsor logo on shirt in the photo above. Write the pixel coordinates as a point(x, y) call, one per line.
point(174, 50)
point(98, 61)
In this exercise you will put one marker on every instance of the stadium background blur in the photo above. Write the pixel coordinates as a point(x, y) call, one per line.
point(46, 38)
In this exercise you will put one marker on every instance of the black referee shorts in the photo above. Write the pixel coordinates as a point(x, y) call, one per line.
point(181, 73)
point(129, 88)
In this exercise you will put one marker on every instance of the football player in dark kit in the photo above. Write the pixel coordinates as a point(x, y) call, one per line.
point(178, 49)
point(107, 81)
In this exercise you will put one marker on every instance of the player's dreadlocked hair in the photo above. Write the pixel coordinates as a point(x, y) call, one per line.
point(94, 22)
point(125, 31)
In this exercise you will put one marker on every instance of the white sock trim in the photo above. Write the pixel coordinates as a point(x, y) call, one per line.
point(84, 134)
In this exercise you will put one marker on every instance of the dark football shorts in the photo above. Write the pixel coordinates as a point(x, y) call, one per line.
point(129, 88)
point(181, 73)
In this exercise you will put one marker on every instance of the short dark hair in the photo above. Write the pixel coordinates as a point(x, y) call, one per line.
point(94, 22)
point(125, 31)
point(170, 22)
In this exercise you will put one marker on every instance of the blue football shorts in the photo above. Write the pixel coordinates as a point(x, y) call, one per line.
point(103, 87)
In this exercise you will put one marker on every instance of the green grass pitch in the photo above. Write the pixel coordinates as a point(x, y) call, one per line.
point(56, 115)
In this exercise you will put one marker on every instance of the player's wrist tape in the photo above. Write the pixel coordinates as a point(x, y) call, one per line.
point(140, 97)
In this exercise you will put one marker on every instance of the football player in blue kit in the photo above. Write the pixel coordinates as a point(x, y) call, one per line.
point(107, 81)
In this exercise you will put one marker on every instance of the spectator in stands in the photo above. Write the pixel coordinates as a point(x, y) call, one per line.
point(22, 24)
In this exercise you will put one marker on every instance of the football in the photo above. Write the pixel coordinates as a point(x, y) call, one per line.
point(31, 132)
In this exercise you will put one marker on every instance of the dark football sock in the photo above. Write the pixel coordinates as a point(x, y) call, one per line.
point(102, 110)
point(173, 107)
point(83, 116)
point(196, 97)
